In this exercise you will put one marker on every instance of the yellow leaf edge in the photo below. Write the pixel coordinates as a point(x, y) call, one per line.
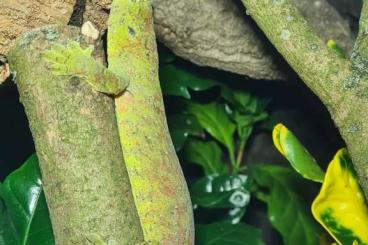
point(277, 130)
point(339, 176)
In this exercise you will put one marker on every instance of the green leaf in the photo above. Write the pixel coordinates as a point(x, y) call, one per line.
point(332, 45)
point(25, 207)
point(246, 110)
point(245, 122)
point(7, 230)
point(214, 119)
point(223, 233)
point(340, 206)
point(288, 211)
point(239, 99)
point(244, 125)
point(221, 191)
point(300, 159)
point(176, 81)
point(243, 101)
point(207, 155)
point(234, 215)
point(181, 126)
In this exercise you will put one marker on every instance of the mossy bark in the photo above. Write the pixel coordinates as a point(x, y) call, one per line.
point(159, 188)
point(77, 142)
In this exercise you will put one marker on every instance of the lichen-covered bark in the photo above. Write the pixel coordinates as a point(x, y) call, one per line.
point(216, 33)
point(159, 188)
point(296, 40)
point(76, 138)
point(211, 33)
point(352, 113)
point(327, 22)
point(360, 54)
point(341, 84)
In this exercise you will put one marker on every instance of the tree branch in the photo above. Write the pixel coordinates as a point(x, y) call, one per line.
point(340, 84)
point(360, 52)
point(74, 129)
point(294, 38)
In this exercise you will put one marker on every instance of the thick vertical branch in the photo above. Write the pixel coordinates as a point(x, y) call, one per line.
point(74, 129)
point(159, 187)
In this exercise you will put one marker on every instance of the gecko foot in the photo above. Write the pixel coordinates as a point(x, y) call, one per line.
point(70, 60)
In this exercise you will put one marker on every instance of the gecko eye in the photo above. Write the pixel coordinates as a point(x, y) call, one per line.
point(131, 31)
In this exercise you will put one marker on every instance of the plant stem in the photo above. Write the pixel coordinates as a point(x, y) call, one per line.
point(242, 169)
point(240, 154)
point(233, 161)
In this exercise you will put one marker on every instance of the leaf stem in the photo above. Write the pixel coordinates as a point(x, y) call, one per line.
point(240, 154)
point(232, 160)
point(242, 169)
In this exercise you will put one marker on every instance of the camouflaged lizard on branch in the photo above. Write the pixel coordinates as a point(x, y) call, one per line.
point(158, 185)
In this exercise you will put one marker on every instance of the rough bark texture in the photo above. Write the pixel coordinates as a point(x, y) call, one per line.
point(207, 32)
point(76, 138)
point(215, 33)
point(296, 40)
point(97, 11)
point(340, 84)
point(19, 16)
point(159, 188)
point(327, 22)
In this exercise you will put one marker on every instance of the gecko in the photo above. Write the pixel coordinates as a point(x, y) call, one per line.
point(131, 77)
